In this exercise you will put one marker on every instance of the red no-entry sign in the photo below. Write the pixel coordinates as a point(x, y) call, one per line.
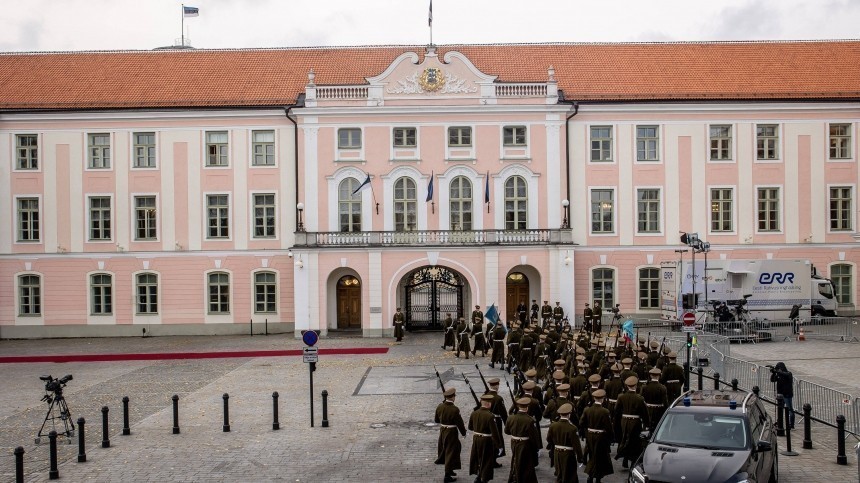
point(689, 319)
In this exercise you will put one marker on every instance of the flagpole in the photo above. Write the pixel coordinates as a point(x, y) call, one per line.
point(182, 11)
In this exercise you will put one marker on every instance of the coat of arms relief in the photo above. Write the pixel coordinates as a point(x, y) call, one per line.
point(432, 80)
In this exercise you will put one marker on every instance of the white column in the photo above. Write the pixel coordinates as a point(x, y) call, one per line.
point(374, 289)
point(625, 202)
point(672, 185)
point(556, 186)
point(491, 280)
point(195, 197)
point(77, 202)
point(167, 197)
point(745, 202)
point(301, 293)
point(49, 198)
point(6, 193)
point(241, 211)
point(122, 200)
point(311, 182)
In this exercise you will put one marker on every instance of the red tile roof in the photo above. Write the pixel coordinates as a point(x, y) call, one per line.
point(805, 70)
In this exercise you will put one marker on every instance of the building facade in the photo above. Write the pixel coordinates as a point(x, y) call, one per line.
point(324, 188)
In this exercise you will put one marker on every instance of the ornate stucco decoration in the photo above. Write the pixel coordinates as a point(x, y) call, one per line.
point(432, 80)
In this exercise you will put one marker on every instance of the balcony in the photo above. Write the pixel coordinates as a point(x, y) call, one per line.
point(434, 238)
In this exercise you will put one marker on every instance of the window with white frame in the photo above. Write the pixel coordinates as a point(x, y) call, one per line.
point(27, 151)
point(28, 220)
point(648, 210)
point(145, 216)
point(767, 141)
point(405, 137)
point(349, 205)
point(147, 293)
point(840, 141)
point(840, 274)
point(100, 218)
point(219, 293)
point(461, 203)
point(263, 148)
point(264, 215)
point(98, 149)
point(514, 135)
point(144, 150)
point(603, 286)
point(721, 142)
point(601, 143)
point(647, 139)
point(265, 293)
point(602, 205)
point(349, 138)
point(459, 136)
point(29, 295)
point(217, 148)
point(516, 203)
point(840, 208)
point(218, 216)
point(768, 209)
point(722, 200)
point(101, 294)
point(649, 288)
point(405, 204)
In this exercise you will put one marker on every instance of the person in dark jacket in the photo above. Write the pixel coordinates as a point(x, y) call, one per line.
point(784, 385)
point(450, 422)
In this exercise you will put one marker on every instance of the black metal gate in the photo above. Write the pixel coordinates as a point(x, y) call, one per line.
point(431, 293)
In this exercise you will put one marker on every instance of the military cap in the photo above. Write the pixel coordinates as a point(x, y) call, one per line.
point(600, 393)
point(487, 397)
point(477, 306)
point(641, 355)
point(666, 350)
point(673, 355)
point(565, 408)
point(543, 337)
point(528, 331)
point(627, 360)
point(524, 401)
point(655, 371)
point(558, 375)
point(493, 381)
point(654, 344)
point(580, 350)
point(449, 392)
point(611, 354)
point(531, 373)
point(617, 367)
point(594, 378)
point(563, 387)
point(631, 381)
point(529, 385)
point(559, 362)
point(580, 358)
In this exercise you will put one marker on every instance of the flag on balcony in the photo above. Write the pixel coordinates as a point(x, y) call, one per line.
point(430, 188)
point(487, 192)
point(190, 11)
point(365, 183)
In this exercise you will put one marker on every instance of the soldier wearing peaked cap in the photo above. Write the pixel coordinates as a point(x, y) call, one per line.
point(449, 327)
point(586, 318)
point(500, 413)
point(562, 442)
point(586, 399)
point(498, 355)
point(450, 422)
point(486, 439)
point(597, 425)
point(535, 308)
point(525, 443)
point(463, 338)
point(672, 377)
point(398, 321)
point(546, 312)
point(655, 397)
point(631, 415)
point(560, 398)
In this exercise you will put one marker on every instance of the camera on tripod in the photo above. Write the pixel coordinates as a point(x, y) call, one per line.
point(56, 402)
point(53, 384)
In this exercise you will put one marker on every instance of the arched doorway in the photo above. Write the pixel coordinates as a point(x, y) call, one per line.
point(430, 293)
point(516, 291)
point(348, 303)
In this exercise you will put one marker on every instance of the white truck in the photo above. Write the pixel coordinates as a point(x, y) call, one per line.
point(770, 287)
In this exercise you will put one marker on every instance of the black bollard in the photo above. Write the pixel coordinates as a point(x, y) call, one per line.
point(175, 414)
point(82, 449)
point(226, 398)
point(325, 408)
point(126, 430)
point(53, 473)
point(788, 451)
point(275, 425)
point(734, 384)
point(700, 377)
point(105, 435)
point(841, 459)
point(686, 376)
point(19, 464)
point(780, 404)
point(716, 381)
point(807, 426)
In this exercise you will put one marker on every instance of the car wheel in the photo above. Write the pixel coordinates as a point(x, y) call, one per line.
point(774, 469)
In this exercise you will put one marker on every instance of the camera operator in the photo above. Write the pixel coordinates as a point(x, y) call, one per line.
point(784, 385)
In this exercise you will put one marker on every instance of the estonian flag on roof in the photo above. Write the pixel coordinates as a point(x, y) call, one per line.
point(190, 11)
point(364, 183)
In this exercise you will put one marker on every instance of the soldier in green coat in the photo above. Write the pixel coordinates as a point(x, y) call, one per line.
point(448, 448)
point(449, 327)
point(486, 440)
point(399, 318)
point(672, 377)
point(546, 312)
point(498, 345)
point(597, 425)
point(463, 341)
point(655, 398)
point(562, 442)
point(631, 416)
point(525, 444)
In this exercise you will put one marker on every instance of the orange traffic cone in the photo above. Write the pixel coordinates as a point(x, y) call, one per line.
point(800, 336)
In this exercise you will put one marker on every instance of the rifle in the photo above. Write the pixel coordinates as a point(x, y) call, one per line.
point(441, 384)
point(486, 387)
point(474, 396)
point(660, 350)
point(513, 399)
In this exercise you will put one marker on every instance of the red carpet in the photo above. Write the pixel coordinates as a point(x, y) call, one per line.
point(161, 356)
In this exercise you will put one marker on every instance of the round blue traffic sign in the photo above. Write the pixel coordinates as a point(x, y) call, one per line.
point(310, 338)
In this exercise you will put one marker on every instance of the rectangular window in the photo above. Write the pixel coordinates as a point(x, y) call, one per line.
point(840, 208)
point(349, 138)
point(768, 209)
point(101, 288)
point(100, 218)
point(265, 293)
point(219, 293)
point(28, 219)
point(217, 148)
point(840, 141)
point(147, 293)
point(144, 150)
point(841, 277)
point(263, 147)
point(29, 295)
point(459, 136)
point(145, 218)
point(405, 137)
point(647, 138)
point(264, 216)
point(98, 147)
point(721, 209)
point(218, 207)
point(648, 208)
point(601, 211)
point(767, 141)
point(601, 143)
point(514, 135)
point(721, 143)
point(649, 288)
point(603, 286)
point(27, 151)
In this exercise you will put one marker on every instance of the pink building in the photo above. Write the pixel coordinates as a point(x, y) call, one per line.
point(196, 191)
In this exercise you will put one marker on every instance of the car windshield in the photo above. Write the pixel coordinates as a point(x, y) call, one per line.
point(701, 430)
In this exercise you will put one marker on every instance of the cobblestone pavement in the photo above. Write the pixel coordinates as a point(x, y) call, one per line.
point(352, 448)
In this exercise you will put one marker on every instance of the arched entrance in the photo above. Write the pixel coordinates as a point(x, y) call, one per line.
point(430, 293)
point(516, 291)
point(348, 303)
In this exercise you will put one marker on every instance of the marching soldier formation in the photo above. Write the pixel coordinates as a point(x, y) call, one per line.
point(597, 393)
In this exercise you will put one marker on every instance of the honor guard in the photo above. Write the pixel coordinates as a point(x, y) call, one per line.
point(560, 397)
point(672, 377)
point(655, 397)
point(597, 426)
point(450, 422)
point(463, 338)
point(613, 387)
point(448, 325)
point(525, 443)
point(562, 442)
point(498, 355)
point(522, 311)
point(515, 336)
point(546, 312)
point(631, 417)
point(399, 318)
point(486, 439)
point(557, 313)
point(586, 318)
point(535, 309)
point(597, 317)
point(498, 409)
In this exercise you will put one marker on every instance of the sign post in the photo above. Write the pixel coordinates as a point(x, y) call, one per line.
point(310, 357)
point(689, 320)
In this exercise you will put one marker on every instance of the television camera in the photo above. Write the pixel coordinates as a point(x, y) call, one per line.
point(58, 409)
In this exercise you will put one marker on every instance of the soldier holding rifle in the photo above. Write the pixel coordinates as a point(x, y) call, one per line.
point(450, 422)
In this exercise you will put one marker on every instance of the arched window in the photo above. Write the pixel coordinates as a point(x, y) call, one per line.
point(219, 293)
point(265, 293)
point(349, 205)
point(461, 203)
point(603, 287)
point(516, 203)
point(405, 204)
point(101, 290)
point(29, 295)
point(147, 293)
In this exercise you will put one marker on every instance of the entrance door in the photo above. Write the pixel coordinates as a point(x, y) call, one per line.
point(431, 293)
point(348, 303)
point(516, 291)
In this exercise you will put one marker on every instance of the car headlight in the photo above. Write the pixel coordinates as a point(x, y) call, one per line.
point(638, 474)
point(739, 478)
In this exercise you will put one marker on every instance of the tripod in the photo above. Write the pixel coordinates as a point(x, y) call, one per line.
point(59, 402)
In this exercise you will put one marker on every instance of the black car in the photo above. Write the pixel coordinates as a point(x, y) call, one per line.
point(711, 437)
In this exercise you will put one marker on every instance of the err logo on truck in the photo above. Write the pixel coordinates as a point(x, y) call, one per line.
point(767, 278)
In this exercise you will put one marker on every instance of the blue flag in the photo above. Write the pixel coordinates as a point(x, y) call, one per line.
point(190, 11)
point(627, 328)
point(487, 189)
point(364, 183)
point(492, 314)
point(430, 188)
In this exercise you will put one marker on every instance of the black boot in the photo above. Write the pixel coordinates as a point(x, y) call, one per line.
point(625, 463)
point(492, 366)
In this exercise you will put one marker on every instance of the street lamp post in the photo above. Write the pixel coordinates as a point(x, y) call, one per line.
point(300, 207)
point(565, 223)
